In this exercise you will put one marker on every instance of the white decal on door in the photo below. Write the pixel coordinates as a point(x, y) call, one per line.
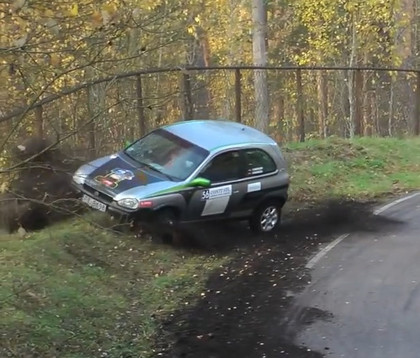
point(218, 192)
point(217, 200)
point(215, 206)
point(254, 187)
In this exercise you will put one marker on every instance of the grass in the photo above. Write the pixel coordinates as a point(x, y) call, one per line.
point(362, 168)
point(77, 291)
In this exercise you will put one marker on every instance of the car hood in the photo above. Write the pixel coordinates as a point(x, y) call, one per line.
point(120, 178)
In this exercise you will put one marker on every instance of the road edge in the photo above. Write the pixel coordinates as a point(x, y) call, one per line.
point(320, 254)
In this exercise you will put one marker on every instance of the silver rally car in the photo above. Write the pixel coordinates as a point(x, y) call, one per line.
point(191, 171)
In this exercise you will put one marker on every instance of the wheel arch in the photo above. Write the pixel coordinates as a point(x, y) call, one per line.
point(280, 199)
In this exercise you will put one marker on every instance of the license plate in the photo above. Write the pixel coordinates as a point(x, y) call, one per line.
point(93, 203)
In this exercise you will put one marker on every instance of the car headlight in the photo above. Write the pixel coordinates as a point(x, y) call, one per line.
point(130, 203)
point(79, 176)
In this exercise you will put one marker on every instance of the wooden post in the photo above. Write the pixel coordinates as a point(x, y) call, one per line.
point(299, 105)
point(358, 115)
point(140, 109)
point(238, 104)
point(187, 97)
point(39, 119)
point(417, 111)
point(322, 82)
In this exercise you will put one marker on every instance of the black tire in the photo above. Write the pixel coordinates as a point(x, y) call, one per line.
point(266, 218)
point(165, 224)
point(141, 225)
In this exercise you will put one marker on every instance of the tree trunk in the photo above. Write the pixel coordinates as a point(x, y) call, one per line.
point(278, 115)
point(91, 123)
point(404, 38)
point(279, 111)
point(351, 82)
point(39, 119)
point(186, 101)
point(322, 103)
point(417, 115)
point(358, 103)
point(299, 105)
point(201, 94)
point(391, 107)
point(368, 114)
point(375, 116)
point(344, 104)
point(140, 108)
point(238, 92)
point(259, 50)
point(96, 106)
point(366, 117)
point(198, 55)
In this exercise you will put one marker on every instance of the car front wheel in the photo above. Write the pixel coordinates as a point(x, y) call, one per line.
point(266, 218)
point(165, 225)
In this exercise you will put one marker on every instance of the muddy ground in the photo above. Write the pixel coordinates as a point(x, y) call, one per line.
point(243, 310)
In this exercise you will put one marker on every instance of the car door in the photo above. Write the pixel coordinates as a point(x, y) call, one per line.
point(260, 169)
point(225, 172)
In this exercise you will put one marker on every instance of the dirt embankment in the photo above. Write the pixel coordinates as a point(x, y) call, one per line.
point(38, 191)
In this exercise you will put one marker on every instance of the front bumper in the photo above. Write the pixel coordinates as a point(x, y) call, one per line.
point(111, 206)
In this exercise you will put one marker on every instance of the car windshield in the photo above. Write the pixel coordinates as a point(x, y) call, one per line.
point(167, 153)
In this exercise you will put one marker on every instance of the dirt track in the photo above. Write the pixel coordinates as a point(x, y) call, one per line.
point(241, 312)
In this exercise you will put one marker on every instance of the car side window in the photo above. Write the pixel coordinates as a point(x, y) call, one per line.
point(224, 167)
point(258, 162)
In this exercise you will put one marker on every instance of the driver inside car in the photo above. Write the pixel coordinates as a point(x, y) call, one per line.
point(179, 162)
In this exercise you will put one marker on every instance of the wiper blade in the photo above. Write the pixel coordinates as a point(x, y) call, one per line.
point(151, 166)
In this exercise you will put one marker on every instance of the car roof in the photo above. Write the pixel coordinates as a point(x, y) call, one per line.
point(211, 134)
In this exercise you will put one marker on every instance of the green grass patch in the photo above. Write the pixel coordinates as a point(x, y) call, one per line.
point(362, 168)
point(74, 290)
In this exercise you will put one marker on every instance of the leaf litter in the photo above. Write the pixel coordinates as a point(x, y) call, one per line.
point(244, 309)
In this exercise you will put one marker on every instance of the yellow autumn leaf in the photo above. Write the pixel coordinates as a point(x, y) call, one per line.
point(110, 8)
point(54, 59)
point(18, 4)
point(74, 10)
point(106, 17)
point(3, 187)
point(97, 18)
point(48, 13)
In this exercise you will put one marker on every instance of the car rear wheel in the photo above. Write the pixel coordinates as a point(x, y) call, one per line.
point(266, 218)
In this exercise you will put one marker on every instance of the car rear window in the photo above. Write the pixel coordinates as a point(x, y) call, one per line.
point(258, 162)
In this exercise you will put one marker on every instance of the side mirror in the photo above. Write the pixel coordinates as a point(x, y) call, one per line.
point(199, 182)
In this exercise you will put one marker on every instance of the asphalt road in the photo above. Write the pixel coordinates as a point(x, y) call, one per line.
point(364, 293)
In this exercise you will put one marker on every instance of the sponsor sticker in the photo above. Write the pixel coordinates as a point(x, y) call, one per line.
point(254, 187)
point(114, 177)
point(215, 206)
point(218, 192)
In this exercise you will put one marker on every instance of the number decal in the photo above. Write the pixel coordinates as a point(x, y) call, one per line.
point(205, 195)
point(216, 200)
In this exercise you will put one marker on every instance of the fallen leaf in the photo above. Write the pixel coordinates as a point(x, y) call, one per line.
point(21, 232)
point(74, 10)
point(18, 4)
